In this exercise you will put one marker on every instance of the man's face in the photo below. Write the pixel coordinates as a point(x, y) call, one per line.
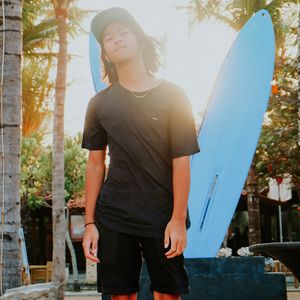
point(120, 43)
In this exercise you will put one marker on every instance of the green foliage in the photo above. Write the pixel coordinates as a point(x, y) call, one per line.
point(36, 170)
point(39, 59)
point(37, 94)
point(278, 152)
point(40, 28)
point(75, 165)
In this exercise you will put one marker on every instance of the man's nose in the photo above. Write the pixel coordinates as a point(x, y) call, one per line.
point(118, 38)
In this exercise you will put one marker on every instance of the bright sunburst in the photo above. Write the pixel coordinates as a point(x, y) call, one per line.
point(192, 62)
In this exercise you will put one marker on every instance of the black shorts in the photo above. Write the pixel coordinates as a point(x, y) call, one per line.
point(121, 256)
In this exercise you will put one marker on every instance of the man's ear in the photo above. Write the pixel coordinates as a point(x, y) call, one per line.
point(142, 45)
point(106, 57)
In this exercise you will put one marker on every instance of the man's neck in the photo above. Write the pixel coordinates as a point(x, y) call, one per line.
point(133, 75)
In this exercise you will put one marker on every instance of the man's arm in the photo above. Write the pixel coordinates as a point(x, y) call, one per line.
point(176, 228)
point(95, 175)
point(181, 186)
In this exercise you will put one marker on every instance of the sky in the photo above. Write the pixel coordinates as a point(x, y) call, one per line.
point(192, 62)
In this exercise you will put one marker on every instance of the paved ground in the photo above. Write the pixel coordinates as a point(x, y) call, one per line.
point(91, 298)
point(291, 296)
point(85, 295)
point(90, 292)
point(92, 295)
point(88, 298)
point(82, 296)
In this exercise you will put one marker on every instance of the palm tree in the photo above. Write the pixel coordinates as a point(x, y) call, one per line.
point(254, 232)
point(298, 38)
point(40, 33)
point(58, 207)
point(36, 94)
point(235, 13)
point(39, 38)
point(10, 100)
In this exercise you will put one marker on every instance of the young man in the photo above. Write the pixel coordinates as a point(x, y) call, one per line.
point(139, 211)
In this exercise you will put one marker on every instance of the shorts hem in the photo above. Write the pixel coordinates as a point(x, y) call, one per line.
point(164, 290)
point(119, 291)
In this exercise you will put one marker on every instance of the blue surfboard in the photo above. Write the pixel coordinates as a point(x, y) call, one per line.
point(229, 132)
point(229, 135)
point(95, 63)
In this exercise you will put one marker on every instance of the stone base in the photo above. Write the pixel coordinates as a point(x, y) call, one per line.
point(226, 278)
point(40, 291)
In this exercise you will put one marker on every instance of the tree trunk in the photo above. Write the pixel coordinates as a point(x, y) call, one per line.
point(254, 233)
point(76, 285)
point(58, 208)
point(298, 38)
point(10, 165)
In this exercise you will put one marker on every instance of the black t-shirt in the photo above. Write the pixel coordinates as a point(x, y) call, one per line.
point(143, 136)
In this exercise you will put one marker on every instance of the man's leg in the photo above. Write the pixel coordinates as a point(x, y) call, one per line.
point(159, 296)
point(120, 264)
point(124, 297)
point(169, 278)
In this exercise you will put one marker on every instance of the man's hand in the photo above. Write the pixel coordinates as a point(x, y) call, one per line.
point(176, 232)
point(90, 243)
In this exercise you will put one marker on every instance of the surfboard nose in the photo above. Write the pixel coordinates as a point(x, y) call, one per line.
point(262, 20)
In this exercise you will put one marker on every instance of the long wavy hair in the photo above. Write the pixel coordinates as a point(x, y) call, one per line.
point(150, 55)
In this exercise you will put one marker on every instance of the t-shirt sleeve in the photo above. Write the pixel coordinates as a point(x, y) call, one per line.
point(183, 135)
point(94, 134)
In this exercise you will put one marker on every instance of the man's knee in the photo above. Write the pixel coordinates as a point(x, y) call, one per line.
point(124, 297)
point(160, 296)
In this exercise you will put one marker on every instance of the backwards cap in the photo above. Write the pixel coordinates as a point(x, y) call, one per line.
point(114, 14)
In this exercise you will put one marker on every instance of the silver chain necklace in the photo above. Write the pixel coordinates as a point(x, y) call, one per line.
point(140, 96)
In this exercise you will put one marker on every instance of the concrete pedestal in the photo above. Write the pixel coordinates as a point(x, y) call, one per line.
point(226, 278)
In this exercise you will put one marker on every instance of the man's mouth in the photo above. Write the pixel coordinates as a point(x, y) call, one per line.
point(121, 47)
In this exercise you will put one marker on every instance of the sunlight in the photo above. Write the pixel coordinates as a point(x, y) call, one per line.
point(192, 61)
point(201, 57)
